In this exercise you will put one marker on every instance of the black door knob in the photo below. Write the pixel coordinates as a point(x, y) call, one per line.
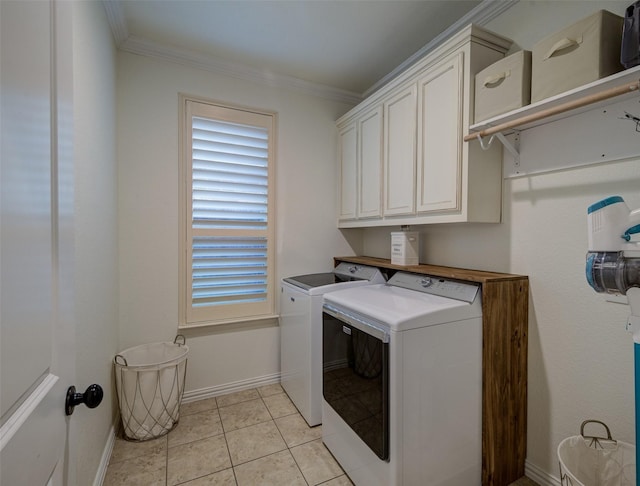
point(91, 397)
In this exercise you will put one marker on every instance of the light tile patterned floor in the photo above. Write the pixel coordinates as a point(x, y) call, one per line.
point(524, 481)
point(250, 438)
point(253, 437)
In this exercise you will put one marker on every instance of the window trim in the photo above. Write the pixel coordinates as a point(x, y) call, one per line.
point(184, 218)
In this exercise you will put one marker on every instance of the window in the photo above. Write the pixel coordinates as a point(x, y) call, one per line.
point(226, 175)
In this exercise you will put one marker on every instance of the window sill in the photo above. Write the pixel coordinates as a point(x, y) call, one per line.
point(234, 324)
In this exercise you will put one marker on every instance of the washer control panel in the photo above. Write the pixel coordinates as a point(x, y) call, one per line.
point(357, 272)
point(429, 284)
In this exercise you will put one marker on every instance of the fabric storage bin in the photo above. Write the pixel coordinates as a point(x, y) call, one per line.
point(577, 55)
point(503, 86)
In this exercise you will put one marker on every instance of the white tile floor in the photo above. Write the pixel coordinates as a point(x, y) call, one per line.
point(254, 437)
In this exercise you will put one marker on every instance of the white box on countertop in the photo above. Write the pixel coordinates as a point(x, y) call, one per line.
point(405, 248)
point(503, 86)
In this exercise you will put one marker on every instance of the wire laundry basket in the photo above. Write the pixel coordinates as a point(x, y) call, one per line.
point(150, 383)
point(596, 461)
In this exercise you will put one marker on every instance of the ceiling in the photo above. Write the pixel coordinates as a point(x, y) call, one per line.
point(346, 45)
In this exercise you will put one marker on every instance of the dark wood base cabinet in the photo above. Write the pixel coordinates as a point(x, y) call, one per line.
point(505, 304)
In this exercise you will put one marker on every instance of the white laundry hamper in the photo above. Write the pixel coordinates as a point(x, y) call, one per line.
point(596, 461)
point(150, 384)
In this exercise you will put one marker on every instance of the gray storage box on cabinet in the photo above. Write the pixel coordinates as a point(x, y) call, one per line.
point(503, 86)
point(577, 55)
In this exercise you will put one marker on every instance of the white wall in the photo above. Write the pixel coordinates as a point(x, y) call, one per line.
point(96, 244)
point(307, 238)
point(580, 356)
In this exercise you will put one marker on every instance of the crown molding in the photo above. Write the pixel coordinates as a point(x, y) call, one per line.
point(489, 10)
point(144, 47)
point(117, 22)
point(480, 15)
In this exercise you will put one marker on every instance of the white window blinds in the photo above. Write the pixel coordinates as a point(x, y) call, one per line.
point(229, 264)
point(230, 169)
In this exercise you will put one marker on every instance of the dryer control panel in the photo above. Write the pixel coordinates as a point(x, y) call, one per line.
point(429, 284)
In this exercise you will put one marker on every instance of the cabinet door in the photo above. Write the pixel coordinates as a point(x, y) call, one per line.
point(347, 150)
point(400, 152)
point(440, 137)
point(370, 164)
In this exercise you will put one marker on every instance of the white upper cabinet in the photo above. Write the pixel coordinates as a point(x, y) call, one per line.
point(440, 95)
point(370, 164)
point(428, 174)
point(360, 167)
point(347, 149)
point(400, 152)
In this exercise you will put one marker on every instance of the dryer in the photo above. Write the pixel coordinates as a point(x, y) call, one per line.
point(301, 331)
point(402, 378)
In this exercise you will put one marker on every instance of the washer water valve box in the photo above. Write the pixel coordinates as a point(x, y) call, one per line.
point(405, 248)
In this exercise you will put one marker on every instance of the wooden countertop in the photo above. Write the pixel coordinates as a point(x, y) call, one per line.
point(479, 276)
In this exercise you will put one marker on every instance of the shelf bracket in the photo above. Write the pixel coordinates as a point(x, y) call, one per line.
point(513, 148)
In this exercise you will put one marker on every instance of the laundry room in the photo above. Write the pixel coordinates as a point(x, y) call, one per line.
point(128, 252)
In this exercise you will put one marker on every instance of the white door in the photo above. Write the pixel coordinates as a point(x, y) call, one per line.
point(36, 222)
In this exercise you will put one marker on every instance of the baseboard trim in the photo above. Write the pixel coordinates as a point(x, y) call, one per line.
point(236, 386)
point(541, 477)
point(106, 455)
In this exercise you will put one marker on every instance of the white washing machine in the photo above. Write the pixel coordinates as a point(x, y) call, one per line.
point(301, 331)
point(402, 378)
